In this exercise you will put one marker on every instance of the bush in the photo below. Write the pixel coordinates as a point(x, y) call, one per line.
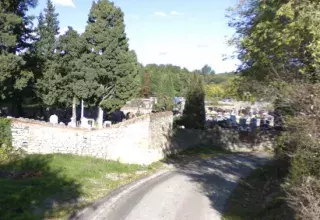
point(5, 131)
point(6, 150)
point(300, 146)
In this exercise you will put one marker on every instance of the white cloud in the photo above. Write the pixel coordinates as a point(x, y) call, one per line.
point(67, 3)
point(160, 13)
point(175, 13)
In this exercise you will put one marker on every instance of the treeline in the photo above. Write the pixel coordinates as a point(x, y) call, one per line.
point(164, 82)
point(279, 45)
point(168, 81)
point(39, 65)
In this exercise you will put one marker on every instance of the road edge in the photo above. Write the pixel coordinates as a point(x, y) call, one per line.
point(112, 197)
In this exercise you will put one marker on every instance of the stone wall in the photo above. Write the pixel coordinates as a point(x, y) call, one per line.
point(228, 139)
point(140, 140)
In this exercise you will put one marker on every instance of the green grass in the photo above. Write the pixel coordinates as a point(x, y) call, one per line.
point(259, 196)
point(53, 186)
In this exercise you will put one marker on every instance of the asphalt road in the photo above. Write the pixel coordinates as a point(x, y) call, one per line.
point(197, 190)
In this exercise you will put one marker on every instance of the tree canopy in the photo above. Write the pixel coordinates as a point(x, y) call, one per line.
point(15, 38)
point(278, 43)
point(107, 70)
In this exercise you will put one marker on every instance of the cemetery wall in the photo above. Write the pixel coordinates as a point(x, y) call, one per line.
point(235, 141)
point(142, 140)
point(228, 139)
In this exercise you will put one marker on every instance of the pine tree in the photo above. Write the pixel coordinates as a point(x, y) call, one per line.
point(194, 112)
point(109, 68)
point(14, 39)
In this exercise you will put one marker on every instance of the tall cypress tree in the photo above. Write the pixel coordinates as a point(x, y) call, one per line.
point(108, 68)
point(15, 30)
point(70, 47)
point(48, 29)
point(48, 81)
point(194, 114)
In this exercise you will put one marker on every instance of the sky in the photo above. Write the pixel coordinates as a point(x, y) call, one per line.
point(187, 33)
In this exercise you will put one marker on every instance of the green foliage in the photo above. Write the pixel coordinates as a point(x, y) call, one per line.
point(49, 81)
point(5, 132)
point(14, 39)
point(15, 25)
point(108, 69)
point(145, 90)
point(275, 39)
point(207, 70)
point(220, 79)
point(13, 78)
point(278, 43)
point(5, 139)
point(166, 82)
point(194, 112)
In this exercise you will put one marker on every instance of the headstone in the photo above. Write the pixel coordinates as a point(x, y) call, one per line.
point(253, 124)
point(72, 123)
point(233, 120)
point(54, 119)
point(84, 122)
point(107, 124)
point(258, 122)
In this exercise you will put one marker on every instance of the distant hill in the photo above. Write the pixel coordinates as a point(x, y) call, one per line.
point(220, 79)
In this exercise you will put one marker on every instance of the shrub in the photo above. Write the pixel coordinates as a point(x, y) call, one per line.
point(5, 131)
point(300, 145)
point(6, 150)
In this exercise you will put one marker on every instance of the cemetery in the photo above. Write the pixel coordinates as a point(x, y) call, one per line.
point(146, 138)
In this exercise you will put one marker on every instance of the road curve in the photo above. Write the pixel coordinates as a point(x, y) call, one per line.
point(193, 191)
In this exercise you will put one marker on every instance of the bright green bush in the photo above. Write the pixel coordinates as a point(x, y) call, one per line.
point(5, 131)
point(5, 139)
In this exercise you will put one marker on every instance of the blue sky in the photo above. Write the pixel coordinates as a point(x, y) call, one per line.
point(188, 33)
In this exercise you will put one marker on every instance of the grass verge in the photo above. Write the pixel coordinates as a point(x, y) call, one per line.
point(54, 186)
point(259, 196)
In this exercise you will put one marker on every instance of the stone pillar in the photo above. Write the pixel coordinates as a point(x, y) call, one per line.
point(82, 109)
point(73, 122)
point(100, 117)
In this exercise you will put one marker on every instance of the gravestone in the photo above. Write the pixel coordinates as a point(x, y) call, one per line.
point(54, 119)
point(107, 124)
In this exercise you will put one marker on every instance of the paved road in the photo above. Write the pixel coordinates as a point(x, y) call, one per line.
point(194, 191)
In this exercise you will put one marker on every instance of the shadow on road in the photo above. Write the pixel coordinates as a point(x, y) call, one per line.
point(218, 177)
